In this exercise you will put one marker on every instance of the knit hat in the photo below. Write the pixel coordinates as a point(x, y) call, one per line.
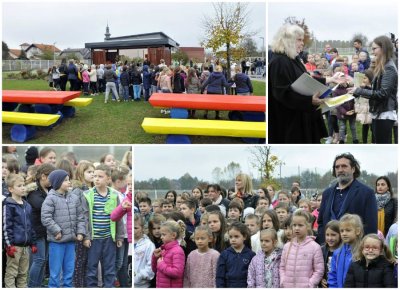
point(57, 177)
point(31, 153)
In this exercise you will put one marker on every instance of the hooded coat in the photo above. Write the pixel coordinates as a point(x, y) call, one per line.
point(215, 83)
point(256, 275)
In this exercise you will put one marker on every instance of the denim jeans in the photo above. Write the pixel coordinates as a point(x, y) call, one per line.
point(61, 260)
point(136, 92)
point(36, 273)
point(125, 92)
point(342, 128)
point(121, 264)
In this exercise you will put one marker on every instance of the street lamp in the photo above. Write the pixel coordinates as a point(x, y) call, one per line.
point(262, 49)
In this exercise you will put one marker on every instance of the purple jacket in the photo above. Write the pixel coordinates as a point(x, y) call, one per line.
point(256, 273)
point(169, 272)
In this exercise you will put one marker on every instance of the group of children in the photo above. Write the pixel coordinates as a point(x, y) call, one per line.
point(71, 217)
point(253, 241)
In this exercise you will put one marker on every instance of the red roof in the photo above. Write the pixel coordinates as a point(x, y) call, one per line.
point(16, 52)
point(43, 47)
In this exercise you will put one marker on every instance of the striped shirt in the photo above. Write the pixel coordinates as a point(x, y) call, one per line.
point(101, 220)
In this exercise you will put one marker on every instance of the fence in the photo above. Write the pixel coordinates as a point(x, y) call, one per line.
point(18, 65)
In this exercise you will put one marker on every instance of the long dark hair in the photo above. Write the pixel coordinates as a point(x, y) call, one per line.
point(386, 179)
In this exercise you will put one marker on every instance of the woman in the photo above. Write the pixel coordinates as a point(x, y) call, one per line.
point(293, 118)
point(387, 205)
point(382, 96)
point(243, 83)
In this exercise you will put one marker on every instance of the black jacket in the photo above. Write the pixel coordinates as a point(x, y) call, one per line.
point(35, 199)
point(378, 274)
point(390, 213)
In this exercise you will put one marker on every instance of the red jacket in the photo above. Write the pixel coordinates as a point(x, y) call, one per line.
point(119, 212)
point(169, 272)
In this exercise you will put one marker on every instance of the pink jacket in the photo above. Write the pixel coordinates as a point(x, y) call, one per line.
point(302, 265)
point(119, 212)
point(85, 76)
point(169, 272)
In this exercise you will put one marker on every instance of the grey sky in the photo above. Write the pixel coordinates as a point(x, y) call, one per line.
point(172, 161)
point(74, 23)
point(339, 19)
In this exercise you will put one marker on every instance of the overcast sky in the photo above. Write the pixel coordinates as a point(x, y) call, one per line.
point(199, 161)
point(339, 19)
point(75, 23)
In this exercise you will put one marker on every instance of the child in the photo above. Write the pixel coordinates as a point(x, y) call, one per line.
point(63, 217)
point(252, 222)
point(283, 196)
point(217, 225)
point(46, 155)
point(109, 160)
point(188, 209)
point(263, 202)
point(332, 242)
point(264, 267)
point(118, 179)
point(4, 174)
point(361, 107)
point(154, 229)
point(145, 210)
point(143, 252)
point(233, 263)
point(201, 264)
point(315, 212)
point(168, 261)
point(287, 230)
point(282, 211)
point(375, 259)
point(235, 210)
point(18, 233)
point(85, 80)
point(204, 219)
point(203, 204)
point(156, 206)
point(101, 200)
point(302, 264)
point(351, 232)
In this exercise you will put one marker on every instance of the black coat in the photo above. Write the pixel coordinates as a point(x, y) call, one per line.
point(390, 213)
point(35, 199)
point(292, 117)
point(378, 274)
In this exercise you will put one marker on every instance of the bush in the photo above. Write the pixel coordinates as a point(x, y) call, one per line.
point(41, 74)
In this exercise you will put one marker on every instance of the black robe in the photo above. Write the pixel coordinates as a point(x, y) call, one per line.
point(292, 119)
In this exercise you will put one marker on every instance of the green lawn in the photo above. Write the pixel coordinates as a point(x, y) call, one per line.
point(112, 123)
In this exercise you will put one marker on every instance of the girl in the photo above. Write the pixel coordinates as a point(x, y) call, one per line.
point(192, 85)
point(203, 204)
point(154, 229)
point(168, 261)
point(234, 262)
point(264, 267)
point(287, 230)
point(262, 192)
point(361, 107)
point(143, 252)
point(197, 192)
point(46, 155)
point(217, 224)
point(201, 264)
point(244, 190)
point(109, 160)
point(283, 196)
point(332, 242)
point(171, 195)
point(375, 259)
point(387, 205)
point(351, 232)
point(302, 264)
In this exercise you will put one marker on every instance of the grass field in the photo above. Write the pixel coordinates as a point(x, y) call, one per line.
point(112, 123)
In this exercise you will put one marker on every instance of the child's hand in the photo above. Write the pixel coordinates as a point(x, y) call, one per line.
point(157, 252)
point(324, 283)
point(349, 113)
point(126, 204)
point(79, 237)
point(58, 236)
point(159, 260)
point(87, 243)
point(119, 243)
point(33, 249)
point(351, 90)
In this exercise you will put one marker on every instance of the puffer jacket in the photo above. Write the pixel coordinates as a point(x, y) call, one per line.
point(170, 271)
point(340, 264)
point(146, 77)
point(110, 76)
point(302, 264)
point(243, 83)
point(378, 274)
point(215, 83)
point(62, 213)
point(256, 274)
point(383, 96)
point(119, 212)
point(144, 249)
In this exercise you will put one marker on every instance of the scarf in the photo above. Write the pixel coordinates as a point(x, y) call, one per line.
point(382, 199)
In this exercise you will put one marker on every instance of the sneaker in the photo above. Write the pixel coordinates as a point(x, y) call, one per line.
point(167, 112)
point(162, 111)
point(105, 102)
point(329, 140)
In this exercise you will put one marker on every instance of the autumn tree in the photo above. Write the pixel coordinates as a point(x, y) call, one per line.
point(265, 162)
point(307, 34)
point(5, 51)
point(226, 28)
point(180, 56)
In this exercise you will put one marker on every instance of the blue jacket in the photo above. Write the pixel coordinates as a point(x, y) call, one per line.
point(215, 83)
point(360, 200)
point(146, 77)
point(17, 226)
point(72, 72)
point(243, 83)
point(124, 78)
point(232, 268)
point(340, 263)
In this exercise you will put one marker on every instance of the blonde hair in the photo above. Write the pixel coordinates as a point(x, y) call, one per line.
point(247, 183)
point(178, 228)
point(271, 232)
point(307, 216)
point(218, 68)
point(385, 251)
point(83, 165)
point(285, 40)
point(13, 178)
point(356, 222)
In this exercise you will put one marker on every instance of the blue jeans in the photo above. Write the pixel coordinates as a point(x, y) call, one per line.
point(121, 264)
point(146, 94)
point(103, 250)
point(125, 92)
point(153, 90)
point(61, 259)
point(36, 273)
point(136, 92)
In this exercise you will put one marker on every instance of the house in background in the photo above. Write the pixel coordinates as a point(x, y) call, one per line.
point(35, 50)
point(24, 46)
point(14, 53)
point(81, 53)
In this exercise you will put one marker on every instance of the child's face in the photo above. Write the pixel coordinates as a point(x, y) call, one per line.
point(372, 249)
point(362, 56)
point(299, 227)
point(271, 192)
point(138, 231)
point(202, 239)
point(214, 223)
point(348, 233)
point(236, 239)
point(186, 211)
point(304, 206)
point(170, 196)
point(239, 183)
point(120, 184)
point(65, 186)
point(88, 175)
point(110, 161)
point(282, 214)
point(332, 238)
point(100, 179)
point(167, 236)
point(44, 179)
point(196, 193)
point(366, 82)
point(167, 207)
point(260, 192)
point(4, 170)
point(178, 202)
point(263, 203)
point(49, 158)
point(318, 201)
point(202, 209)
point(212, 194)
point(283, 198)
point(252, 225)
point(204, 222)
point(18, 189)
point(288, 233)
point(267, 222)
point(129, 184)
point(156, 230)
point(156, 207)
point(144, 208)
point(354, 66)
point(234, 213)
point(267, 243)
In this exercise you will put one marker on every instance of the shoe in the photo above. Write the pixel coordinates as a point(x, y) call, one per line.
point(205, 116)
point(355, 141)
point(167, 112)
point(162, 111)
point(329, 140)
point(105, 102)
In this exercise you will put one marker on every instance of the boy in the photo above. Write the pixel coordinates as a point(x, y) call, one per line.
point(102, 232)
point(4, 174)
point(235, 211)
point(18, 233)
point(253, 224)
point(282, 211)
point(145, 209)
point(156, 206)
point(188, 209)
point(167, 205)
point(64, 220)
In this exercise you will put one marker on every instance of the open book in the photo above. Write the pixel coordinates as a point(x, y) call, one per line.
point(308, 86)
point(330, 103)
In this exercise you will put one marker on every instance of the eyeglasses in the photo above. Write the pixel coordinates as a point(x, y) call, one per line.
point(368, 248)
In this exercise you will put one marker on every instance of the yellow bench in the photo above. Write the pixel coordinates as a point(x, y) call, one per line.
point(33, 119)
point(79, 102)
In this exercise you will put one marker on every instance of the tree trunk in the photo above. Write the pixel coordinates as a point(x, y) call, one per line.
point(228, 61)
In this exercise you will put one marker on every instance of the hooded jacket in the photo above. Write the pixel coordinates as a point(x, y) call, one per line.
point(17, 226)
point(256, 275)
point(232, 268)
point(169, 272)
point(62, 213)
point(340, 264)
point(243, 83)
point(119, 212)
point(215, 83)
point(146, 77)
point(302, 264)
point(144, 249)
